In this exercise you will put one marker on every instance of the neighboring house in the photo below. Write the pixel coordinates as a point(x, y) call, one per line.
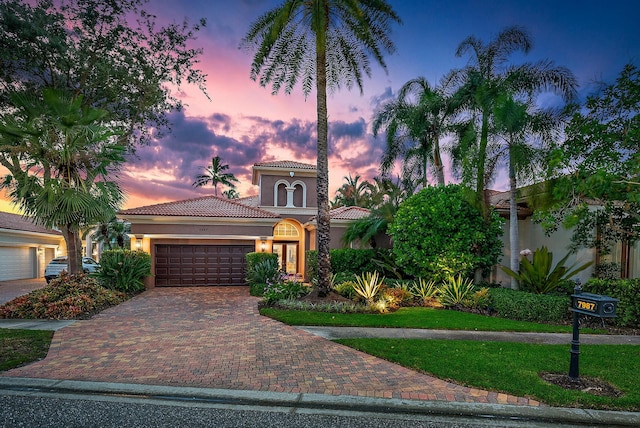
point(532, 236)
point(204, 241)
point(25, 248)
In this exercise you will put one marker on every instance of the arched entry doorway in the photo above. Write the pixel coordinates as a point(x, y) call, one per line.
point(288, 245)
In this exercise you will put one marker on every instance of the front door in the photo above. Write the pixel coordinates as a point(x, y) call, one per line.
point(287, 256)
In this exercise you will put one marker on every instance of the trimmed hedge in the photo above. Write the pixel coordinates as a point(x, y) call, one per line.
point(524, 306)
point(627, 291)
point(348, 261)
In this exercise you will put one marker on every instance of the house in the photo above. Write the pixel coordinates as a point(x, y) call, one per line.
point(203, 241)
point(26, 248)
point(533, 236)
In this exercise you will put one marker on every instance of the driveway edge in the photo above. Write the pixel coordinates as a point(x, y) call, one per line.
point(306, 401)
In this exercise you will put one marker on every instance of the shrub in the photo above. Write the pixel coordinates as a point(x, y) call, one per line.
point(257, 289)
point(311, 263)
point(123, 270)
point(525, 306)
point(628, 293)
point(454, 291)
point(538, 276)
point(479, 299)
point(426, 291)
point(352, 260)
point(396, 297)
point(65, 297)
point(346, 289)
point(368, 285)
point(283, 290)
point(264, 272)
point(255, 259)
point(437, 232)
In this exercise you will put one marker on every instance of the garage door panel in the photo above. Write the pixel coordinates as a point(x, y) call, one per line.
point(200, 265)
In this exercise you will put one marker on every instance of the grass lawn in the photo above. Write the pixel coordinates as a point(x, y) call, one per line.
point(428, 318)
point(18, 347)
point(514, 367)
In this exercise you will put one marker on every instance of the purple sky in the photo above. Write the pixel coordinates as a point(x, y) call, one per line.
point(243, 123)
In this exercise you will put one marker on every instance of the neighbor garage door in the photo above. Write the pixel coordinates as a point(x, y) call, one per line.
point(197, 265)
point(17, 263)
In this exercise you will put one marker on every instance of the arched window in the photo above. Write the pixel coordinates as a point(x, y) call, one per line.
point(285, 230)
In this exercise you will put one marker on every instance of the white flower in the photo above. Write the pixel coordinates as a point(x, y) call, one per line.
point(526, 252)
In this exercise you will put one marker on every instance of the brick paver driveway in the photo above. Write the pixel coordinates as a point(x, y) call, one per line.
point(215, 338)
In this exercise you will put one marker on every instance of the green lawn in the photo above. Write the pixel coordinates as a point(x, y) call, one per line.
point(428, 318)
point(514, 367)
point(18, 347)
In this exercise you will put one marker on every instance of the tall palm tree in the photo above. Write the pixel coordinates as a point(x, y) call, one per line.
point(414, 123)
point(487, 76)
point(329, 43)
point(215, 175)
point(60, 155)
point(523, 128)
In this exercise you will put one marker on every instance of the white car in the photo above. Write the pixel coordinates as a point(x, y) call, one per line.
point(59, 264)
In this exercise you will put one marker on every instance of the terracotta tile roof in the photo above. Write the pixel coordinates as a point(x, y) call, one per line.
point(286, 165)
point(346, 213)
point(18, 222)
point(206, 206)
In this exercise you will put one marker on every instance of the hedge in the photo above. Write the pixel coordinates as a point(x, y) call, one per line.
point(525, 306)
point(628, 293)
point(345, 261)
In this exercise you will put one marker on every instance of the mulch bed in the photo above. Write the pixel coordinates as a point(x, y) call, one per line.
point(585, 384)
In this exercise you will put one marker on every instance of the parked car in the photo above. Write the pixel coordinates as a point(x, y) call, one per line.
point(59, 264)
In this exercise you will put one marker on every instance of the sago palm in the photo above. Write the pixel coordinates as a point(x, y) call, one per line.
point(328, 43)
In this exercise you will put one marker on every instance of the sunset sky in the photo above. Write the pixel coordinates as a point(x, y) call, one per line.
point(244, 124)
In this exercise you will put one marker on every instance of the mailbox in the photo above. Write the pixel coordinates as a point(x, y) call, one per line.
point(595, 305)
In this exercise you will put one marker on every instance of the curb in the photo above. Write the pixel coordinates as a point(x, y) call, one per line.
point(302, 402)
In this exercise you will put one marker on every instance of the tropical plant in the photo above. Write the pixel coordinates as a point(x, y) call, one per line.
point(113, 53)
point(215, 175)
point(455, 290)
point(414, 123)
point(480, 84)
point(346, 289)
point(283, 290)
point(352, 193)
point(368, 285)
point(112, 234)
point(60, 156)
point(266, 271)
point(427, 291)
point(123, 270)
point(230, 194)
point(328, 43)
point(540, 276)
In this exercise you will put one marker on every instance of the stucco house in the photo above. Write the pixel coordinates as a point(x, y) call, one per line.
point(203, 241)
point(26, 248)
point(532, 236)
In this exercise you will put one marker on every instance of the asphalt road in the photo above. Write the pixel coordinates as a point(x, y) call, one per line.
point(75, 411)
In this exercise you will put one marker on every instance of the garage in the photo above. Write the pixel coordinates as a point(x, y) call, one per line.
point(200, 265)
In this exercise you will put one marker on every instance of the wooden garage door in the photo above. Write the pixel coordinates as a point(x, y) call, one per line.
point(200, 265)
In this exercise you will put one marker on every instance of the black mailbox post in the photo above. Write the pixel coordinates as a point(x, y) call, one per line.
point(594, 305)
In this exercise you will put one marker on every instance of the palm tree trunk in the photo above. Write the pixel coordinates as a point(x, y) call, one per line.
point(481, 195)
point(74, 249)
point(514, 246)
point(322, 186)
point(437, 160)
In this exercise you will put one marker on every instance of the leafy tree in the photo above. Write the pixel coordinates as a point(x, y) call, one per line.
point(329, 43)
point(215, 175)
point(481, 83)
point(60, 156)
point(598, 164)
point(112, 53)
point(353, 193)
point(437, 233)
point(414, 124)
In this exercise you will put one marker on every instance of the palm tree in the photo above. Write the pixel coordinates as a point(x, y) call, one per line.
point(518, 124)
point(414, 124)
point(231, 194)
point(352, 193)
point(215, 175)
point(112, 234)
point(482, 82)
point(60, 154)
point(329, 43)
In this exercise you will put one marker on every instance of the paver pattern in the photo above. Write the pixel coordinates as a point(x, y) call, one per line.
point(214, 337)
